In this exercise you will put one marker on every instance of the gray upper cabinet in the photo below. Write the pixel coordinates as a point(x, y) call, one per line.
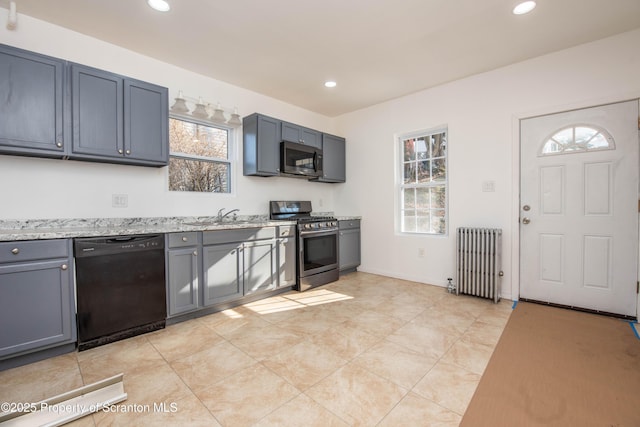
point(37, 310)
point(302, 135)
point(334, 162)
point(117, 119)
point(261, 145)
point(146, 124)
point(32, 104)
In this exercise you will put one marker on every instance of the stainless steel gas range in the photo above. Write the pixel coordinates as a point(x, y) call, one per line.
point(317, 242)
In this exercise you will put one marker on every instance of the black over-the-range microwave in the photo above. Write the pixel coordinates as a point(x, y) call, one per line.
point(300, 160)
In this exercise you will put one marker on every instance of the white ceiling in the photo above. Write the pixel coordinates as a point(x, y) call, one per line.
point(375, 49)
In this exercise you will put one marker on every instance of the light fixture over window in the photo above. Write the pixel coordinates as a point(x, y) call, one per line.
point(159, 5)
point(524, 7)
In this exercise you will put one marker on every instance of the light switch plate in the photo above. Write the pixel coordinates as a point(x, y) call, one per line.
point(119, 200)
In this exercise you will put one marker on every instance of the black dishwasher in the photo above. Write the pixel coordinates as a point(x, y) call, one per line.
point(120, 285)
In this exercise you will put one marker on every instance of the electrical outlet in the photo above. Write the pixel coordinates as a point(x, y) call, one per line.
point(119, 200)
point(488, 186)
point(420, 252)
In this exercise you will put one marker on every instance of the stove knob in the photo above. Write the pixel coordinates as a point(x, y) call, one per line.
point(334, 223)
point(307, 226)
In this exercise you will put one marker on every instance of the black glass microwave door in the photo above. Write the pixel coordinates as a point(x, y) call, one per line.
point(299, 161)
point(319, 252)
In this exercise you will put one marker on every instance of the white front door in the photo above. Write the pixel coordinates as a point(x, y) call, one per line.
point(579, 208)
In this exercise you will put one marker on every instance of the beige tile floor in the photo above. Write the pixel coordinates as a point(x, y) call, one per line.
point(367, 350)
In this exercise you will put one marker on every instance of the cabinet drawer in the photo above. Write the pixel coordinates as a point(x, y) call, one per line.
point(33, 250)
point(351, 223)
point(238, 235)
point(178, 240)
point(287, 231)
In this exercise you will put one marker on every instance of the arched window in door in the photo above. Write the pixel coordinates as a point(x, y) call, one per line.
point(577, 139)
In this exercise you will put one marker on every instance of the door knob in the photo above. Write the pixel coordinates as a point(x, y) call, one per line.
point(526, 220)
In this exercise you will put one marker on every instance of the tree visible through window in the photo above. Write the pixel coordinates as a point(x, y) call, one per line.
point(199, 157)
point(423, 183)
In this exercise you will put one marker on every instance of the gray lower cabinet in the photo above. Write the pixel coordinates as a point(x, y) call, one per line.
point(183, 261)
point(287, 256)
point(32, 90)
point(37, 309)
point(238, 262)
point(349, 245)
point(117, 119)
point(222, 272)
point(261, 145)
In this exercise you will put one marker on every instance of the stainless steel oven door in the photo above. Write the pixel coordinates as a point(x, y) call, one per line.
point(318, 252)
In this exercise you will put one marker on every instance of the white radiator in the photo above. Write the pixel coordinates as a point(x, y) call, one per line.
point(478, 262)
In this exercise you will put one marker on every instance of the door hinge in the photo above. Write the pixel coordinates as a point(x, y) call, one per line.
point(637, 287)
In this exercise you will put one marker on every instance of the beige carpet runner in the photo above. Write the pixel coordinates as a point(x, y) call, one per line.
point(558, 367)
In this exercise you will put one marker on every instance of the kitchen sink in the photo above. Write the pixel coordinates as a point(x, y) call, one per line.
point(215, 223)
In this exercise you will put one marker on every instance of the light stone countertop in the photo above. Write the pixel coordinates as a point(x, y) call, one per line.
point(40, 229)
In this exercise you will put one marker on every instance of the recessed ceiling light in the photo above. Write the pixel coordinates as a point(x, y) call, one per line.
point(330, 83)
point(159, 5)
point(524, 7)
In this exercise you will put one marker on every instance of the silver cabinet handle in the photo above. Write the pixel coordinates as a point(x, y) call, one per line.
point(128, 152)
point(195, 253)
point(15, 251)
point(120, 151)
point(59, 144)
point(184, 239)
point(64, 266)
point(526, 220)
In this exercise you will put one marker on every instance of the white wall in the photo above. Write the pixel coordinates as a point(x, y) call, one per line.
point(482, 114)
point(49, 188)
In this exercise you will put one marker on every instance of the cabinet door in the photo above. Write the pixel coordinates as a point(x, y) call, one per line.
point(259, 266)
point(222, 273)
point(261, 145)
point(182, 268)
point(349, 248)
point(287, 262)
point(146, 122)
point(97, 112)
point(31, 111)
point(302, 135)
point(36, 309)
point(333, 164)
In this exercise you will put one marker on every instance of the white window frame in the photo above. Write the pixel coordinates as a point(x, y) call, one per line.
point(232, 150)
point(400, 185)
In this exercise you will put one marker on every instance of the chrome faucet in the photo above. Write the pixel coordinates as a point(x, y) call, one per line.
point(220, 217)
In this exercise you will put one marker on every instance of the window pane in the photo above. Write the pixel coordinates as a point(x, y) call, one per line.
point(422, 198)
point(196, 175)
point(439, 170)
point(409, 173)
point(191, 138)
point(423, 224)
point(424, 174)
point(584, 134)
point(438, 221)
point(409, 198)
point(599, 141)
point(438, 197)
point(439, 142)
point(564, 137)
point(408, 221)
point(409, 150)
point(422, 151)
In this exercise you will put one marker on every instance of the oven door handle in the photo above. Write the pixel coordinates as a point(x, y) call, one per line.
point(325, 232)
